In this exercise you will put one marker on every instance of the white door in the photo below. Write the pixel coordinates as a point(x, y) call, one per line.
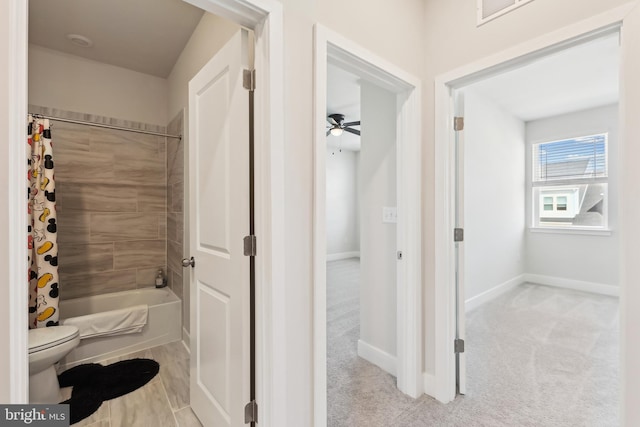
point(219, 219)
point(461, 367)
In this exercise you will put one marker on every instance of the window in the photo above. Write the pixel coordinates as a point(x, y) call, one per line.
point(570, 183)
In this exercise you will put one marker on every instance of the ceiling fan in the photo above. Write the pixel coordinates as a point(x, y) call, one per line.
point(338, 125)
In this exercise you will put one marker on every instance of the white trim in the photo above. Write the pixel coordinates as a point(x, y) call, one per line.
point(329, 45)
point(493, 293)
point(271, 338)
point(186, 339)
point(247, 13)
point(184, 343)
point(629, 210)
point(558, 282)
point(319, 233)
point(343, 255)
point(577, 285)
point(573, 230)
point(529, 51)
point(444, 301)
point(383, 360)
point(409, 302)
point(17, 132)
point(266, 18)
point(444, 292)
point(429, 383)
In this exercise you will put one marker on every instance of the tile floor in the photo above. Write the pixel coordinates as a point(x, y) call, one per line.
point(163, 402)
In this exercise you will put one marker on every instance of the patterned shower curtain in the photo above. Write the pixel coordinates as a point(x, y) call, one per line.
point(43, 246)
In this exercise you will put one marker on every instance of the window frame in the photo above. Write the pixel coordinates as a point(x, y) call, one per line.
point(536, 187)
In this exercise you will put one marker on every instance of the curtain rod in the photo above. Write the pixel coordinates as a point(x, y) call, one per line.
point(100, 125)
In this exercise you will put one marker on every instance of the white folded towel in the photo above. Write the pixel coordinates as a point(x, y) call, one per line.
point(115, 322)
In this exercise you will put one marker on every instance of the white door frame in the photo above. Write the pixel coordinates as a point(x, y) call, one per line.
point(445, 170)
point(265, 17)
point(332, 47)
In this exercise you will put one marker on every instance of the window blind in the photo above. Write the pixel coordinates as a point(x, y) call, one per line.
point(577, 159)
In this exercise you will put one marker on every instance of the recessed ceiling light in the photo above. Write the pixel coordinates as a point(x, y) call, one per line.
point(79, 40)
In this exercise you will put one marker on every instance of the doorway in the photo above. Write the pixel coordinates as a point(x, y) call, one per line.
point(334, 49)
point(361, 239)
point(538, 202)
point(266, 18)
point(446, 172)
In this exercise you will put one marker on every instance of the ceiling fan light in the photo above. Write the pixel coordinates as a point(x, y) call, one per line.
point(336, 131)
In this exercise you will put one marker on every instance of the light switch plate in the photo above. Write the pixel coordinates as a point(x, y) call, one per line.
point(389, 215)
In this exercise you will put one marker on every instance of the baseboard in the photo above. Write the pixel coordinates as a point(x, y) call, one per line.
point(343, 255)
point(380, 358)
point(494, 292)
point(429, 384)
point(186, 340)
point(577, 285)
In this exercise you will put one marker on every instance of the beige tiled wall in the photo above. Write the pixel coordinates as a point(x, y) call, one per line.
point(111, 191)
point(175, 214)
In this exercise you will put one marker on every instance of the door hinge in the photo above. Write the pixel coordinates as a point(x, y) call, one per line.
point(249, 79)
point(250, 245)
point(251, 412)
point(458, 346)
point(458, 234)
point(458, 123)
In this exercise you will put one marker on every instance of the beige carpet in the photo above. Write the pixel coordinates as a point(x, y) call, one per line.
point(536, 356)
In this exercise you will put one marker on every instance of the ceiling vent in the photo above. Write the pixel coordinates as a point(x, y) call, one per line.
point(491, 9)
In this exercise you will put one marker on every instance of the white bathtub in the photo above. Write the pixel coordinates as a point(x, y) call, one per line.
point(164, 323)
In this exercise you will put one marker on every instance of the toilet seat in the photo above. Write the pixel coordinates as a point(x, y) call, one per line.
point(44, 338)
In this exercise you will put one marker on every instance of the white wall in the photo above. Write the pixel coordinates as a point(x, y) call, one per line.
point(343, 235)
point(68, 82)
point(585, 258)
point(498, 199)
point(378, 242)
point(494, 195)
point(208, 38)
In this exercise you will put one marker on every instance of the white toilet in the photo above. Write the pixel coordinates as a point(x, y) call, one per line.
point(48, 346)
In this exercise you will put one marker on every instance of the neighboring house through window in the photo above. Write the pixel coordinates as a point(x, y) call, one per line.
point(570, 183)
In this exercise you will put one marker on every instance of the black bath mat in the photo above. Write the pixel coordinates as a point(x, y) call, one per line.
point(93, 383)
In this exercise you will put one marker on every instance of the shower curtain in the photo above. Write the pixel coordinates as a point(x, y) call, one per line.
point(42, 243)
